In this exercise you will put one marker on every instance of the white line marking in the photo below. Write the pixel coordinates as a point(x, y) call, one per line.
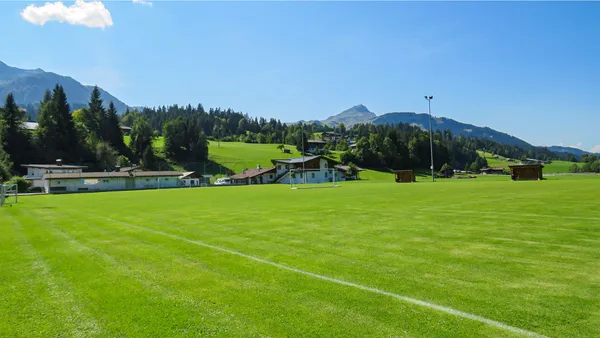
point(338, 281)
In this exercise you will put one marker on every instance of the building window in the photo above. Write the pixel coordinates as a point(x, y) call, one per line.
point(147, 180)
point(301, 175)
point(57, 182)
point(325, 165)
point(271, 177)
point(312, 175)
point(325, 174)
point(166, 179)
point(293, 175)
point(278, 167)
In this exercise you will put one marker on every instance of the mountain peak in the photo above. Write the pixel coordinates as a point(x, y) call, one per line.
point(349, 117)
point(360, 108)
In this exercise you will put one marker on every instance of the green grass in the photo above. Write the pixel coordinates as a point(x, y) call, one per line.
point(158, 143)
point(152, 263)
point(238, 156)
point(552, 168)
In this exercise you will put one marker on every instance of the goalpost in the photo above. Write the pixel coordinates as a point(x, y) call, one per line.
point(299, 179)
point(8, 194)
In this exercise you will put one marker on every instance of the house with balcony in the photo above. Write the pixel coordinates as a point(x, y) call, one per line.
point(313, 169)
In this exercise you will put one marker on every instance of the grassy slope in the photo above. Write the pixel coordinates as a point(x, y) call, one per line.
point(87, 264)
point(239, 156)
point(554, 167)
point(157, 144)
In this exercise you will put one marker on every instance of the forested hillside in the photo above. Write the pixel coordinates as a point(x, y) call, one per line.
point(92, 136)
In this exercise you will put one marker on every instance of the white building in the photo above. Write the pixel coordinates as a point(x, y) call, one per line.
point(110, 181)
point(317, 169)
point(60, 177)
point(193, 179)
point(35, 172)
point(30, 125)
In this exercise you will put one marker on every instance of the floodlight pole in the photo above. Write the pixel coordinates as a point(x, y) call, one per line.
point(303, 167)
point(429, 98)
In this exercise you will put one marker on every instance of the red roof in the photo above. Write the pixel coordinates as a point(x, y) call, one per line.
point(248, 173)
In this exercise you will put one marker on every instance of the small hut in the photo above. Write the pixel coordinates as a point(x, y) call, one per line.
point(526, 172)
point(405, 176)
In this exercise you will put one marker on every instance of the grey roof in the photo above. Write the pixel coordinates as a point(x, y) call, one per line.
point(53, 166)
point(112, 174)
point(252, 173)
point(295, 160)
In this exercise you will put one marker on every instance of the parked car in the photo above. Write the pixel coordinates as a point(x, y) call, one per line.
point(223, 181)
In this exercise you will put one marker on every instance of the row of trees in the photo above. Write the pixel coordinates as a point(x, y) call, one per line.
point(590, 164)
point(91, 135)
point(225, 124)
point(402, 146)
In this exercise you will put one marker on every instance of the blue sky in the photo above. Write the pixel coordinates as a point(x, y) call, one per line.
point(531, 69)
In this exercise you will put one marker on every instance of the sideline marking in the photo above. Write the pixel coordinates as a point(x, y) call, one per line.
point(406, 299)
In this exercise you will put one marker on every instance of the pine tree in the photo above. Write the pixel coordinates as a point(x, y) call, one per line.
point(45, 132)
point(95, 115)
point(66, 137)
point(113, 129)
point(5, 163)
point(15, 140)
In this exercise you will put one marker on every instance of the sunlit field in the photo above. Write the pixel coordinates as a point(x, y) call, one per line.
point(458, 258)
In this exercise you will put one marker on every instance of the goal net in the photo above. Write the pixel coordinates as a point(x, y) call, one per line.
point(8, 194)
point(309, 179)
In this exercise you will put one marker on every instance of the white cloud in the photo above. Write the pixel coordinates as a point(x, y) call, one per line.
point(91, 14)
point(595, 149)
point(142, 2)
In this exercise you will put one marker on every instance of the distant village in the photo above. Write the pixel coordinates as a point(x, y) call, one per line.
point(313, 168)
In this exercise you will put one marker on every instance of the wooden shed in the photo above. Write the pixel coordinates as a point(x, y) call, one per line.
point(526, 172)
point(405, 176)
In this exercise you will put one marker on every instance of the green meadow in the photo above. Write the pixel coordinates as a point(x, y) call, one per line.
point(458, 258)
point(238, 156)
point(500, 162)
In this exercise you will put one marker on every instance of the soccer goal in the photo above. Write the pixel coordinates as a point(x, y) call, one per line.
point(8, 194)
point(300, 179)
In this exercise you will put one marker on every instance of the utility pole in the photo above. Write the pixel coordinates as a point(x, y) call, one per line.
point(303, 167)
point(429, 98)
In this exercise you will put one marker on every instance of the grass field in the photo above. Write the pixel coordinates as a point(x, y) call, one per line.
point(238, 156)
point(158, 143)
point(553, 168)
point(457, 258)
